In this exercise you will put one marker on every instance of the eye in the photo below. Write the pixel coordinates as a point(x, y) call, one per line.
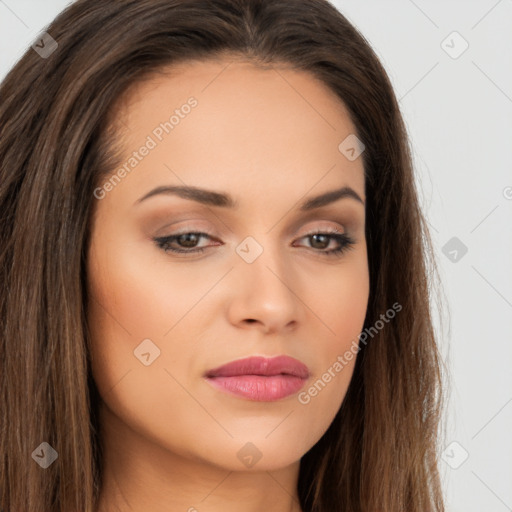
point(322, 239)
point(187, 239)
point(187, 242)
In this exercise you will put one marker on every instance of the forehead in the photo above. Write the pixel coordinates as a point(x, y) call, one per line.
point(277, 128)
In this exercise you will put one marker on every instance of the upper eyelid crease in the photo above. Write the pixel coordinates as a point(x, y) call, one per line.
point(223, 200)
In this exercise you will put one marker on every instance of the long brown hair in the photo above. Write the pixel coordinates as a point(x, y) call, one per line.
point(380, 452)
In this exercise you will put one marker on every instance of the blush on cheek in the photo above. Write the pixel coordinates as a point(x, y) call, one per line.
point(126, 295)
point(346, 310)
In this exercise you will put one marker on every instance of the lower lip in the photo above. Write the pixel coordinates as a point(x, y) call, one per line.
point(258, 387)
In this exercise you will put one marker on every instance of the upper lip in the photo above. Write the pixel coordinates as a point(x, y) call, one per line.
point(259, 365)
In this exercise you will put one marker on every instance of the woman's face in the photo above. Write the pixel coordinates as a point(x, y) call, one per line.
point(256, 145)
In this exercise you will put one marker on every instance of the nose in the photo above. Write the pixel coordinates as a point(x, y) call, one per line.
point(265, 294)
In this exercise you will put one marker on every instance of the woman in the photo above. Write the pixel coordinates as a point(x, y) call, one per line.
point(289, 363)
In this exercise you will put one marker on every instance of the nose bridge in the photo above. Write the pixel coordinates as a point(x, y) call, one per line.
point(265, 281)
point(264, 259)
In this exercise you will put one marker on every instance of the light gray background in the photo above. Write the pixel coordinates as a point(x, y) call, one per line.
point(459, 116)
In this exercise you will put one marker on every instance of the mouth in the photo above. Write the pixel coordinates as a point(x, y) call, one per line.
point(260, 378)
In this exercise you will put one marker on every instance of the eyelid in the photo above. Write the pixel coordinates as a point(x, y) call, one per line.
point(193, 225)
point(305, 231)
point(322, 225)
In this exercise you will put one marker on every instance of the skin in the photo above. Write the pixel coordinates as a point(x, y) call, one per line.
point(270, 139)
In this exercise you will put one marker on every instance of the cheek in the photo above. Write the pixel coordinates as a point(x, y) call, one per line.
point(138, 299)
point(123, 310)
point(134, 296)
point(342, 303)
point(342, 309)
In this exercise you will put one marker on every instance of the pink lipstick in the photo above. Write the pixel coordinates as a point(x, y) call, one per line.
point(260, 378)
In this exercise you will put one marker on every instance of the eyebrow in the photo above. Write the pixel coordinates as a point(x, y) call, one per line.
point(223, 200)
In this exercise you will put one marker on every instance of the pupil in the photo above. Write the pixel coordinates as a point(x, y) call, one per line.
point(188, 239)
point(317, 237)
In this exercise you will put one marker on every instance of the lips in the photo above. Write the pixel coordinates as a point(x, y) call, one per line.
point(280, 365)
point(260, 378)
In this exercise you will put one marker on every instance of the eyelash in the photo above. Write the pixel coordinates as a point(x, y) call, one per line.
point(345, 241)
